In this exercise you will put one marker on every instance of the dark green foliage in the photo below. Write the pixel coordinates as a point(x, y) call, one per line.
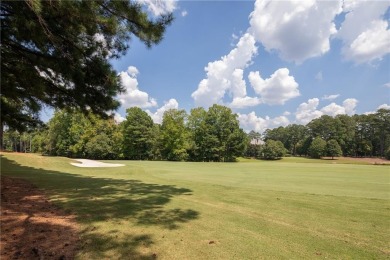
point(303, 145)
point(289, 136)
point(196, 125)
point(388, 153)
point(56, 53)
point(273, 150)
point(138, 136)
point(74, 134)
point(317, 148)
point(212, 135)
point(215, 135)
point(358, 135)
point(333, 149)
point(174, 136)
point(224, 140)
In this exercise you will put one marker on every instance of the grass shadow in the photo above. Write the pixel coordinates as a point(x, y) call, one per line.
point(95, 200)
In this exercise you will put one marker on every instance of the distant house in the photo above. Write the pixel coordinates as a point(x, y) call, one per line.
point(257, 141)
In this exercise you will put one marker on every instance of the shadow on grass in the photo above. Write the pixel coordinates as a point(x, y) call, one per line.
point(96, 200)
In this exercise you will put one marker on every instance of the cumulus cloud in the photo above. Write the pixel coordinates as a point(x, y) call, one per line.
point(158, 115)
point(184, 13)
point(132, 95)
point(330, 97)
point(384, 106)
point(252, 122)
point(277, 89)
point(350, 104)
point(364, 32)
point(387, 85)
point(242, 102)
point(226, 74)
point(297, 30)
point(333, 110)
point(308, 111)
point(159, 7)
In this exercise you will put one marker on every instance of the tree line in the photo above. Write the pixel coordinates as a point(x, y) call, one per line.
point(342, 135)
point(212, 135)
point(202, 135)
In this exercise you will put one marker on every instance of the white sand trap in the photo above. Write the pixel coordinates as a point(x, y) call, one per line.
point(92, 163)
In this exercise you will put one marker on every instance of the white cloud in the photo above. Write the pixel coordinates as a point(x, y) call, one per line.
point(252, 122)
point(133, 96)
point(132, 71)
point(350, 104)
point(277, 89)
point(309, 111)
point(333, 110)
point(364, 32)
point(225, 75)
point(385, 106)
point(242, 102)
point(159, 7)
point(298, 30)
point(184, 13)
point(330, 97)
point(387, 85)
point(158, 115)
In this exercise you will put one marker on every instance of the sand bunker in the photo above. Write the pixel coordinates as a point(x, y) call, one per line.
point(92, 163)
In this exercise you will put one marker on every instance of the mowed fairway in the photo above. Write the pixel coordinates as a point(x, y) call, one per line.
point(288, 209)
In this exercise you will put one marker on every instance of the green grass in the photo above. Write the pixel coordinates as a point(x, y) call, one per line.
point(289, 209)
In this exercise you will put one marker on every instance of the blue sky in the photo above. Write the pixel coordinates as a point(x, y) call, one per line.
point(274, 63)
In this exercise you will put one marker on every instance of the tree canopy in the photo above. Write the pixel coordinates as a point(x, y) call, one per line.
point(56, 54)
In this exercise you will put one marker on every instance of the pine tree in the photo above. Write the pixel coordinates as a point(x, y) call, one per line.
point(56, 54)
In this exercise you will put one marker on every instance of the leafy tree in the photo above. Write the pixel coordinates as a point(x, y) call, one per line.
point(58, 134)
point(324, 127)
point(273, 150)
point(333, 149)
point(156, 146)
point(220, 124)
point(276, 134)
point(382, 127)
point(196, 125)
point(295, 133)
point(302, 147)
point(69, 133)
point(317, 148)
point(99, 147)
point(56, 53)
point(137, 134)
point(388, 154)
point(346, 134)
point(174, 136)
point(38, 141)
